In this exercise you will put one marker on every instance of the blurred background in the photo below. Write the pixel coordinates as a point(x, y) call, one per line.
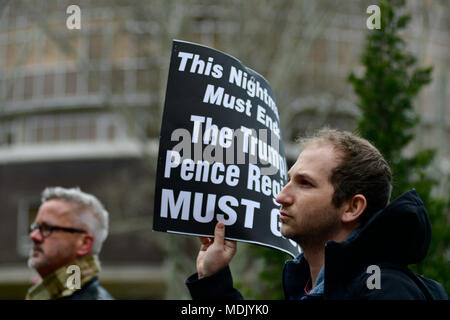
point(84, 107)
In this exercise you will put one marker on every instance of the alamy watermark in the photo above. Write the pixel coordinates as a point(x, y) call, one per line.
point(74, 280)
point(374, 21)
point(374, 280)
point(226, 146)
point(74, 20)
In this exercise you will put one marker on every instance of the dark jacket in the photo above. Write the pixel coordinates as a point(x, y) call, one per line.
point(394, 237)
point(92, 290)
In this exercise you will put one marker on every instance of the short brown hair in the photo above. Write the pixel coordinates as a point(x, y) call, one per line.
point(361, 170)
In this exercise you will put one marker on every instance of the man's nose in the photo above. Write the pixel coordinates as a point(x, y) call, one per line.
point(284, 198)
point(36, 236)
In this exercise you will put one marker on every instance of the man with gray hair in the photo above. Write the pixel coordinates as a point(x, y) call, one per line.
point(67, 236)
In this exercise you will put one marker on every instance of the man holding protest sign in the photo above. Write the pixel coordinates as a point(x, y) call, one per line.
point(335, 206)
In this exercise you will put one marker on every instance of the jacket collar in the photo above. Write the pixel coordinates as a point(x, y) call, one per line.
point(55, 285)
point(295, 277)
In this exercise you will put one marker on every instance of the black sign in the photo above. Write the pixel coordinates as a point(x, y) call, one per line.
point(221, 156)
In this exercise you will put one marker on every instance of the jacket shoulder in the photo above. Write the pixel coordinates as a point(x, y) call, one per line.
point(393, 284)
point(436, 290)
point(91, 291)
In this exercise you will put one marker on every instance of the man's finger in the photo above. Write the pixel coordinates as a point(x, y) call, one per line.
point(231, 243)
point(219, 233)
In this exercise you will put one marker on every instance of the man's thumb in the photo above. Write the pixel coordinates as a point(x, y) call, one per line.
point(219, 233)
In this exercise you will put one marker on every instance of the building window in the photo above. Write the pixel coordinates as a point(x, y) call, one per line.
point(92, 129)
point(39, 134)
point(72, 52)
point(142, 49)
point(71, 83)
point(31, 55)
point(319, 52)
point(9, 90)
point(48, 125)
point(94, 81)
point(345, 54)
point(118, 81)
point(28, 87)
point(95, 47)
point(121, 47)
point(50, 51)
point(111, 132)
point(10, 55)
point(49, 85)
point(6, 136)
point(143, 80)
point(62, 128)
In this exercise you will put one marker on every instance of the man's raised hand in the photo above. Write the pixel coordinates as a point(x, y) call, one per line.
point(215, 253)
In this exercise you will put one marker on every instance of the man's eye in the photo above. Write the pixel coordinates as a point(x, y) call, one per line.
point(305, 183)
point(45, 226)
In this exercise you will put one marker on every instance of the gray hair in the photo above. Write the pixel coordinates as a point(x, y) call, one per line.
point(92, 214)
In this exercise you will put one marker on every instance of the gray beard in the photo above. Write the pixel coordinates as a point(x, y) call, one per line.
point(30, 262)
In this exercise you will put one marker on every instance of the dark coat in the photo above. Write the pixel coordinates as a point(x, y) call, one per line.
point(393, 238)
point(92, 290)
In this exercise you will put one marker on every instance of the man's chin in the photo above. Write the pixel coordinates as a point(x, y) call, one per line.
point(284, 230)
point(288, 233)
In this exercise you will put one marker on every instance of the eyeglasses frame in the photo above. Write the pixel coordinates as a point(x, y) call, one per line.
point(50, 228)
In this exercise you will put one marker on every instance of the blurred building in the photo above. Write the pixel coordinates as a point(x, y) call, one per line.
point(83, 107)
point(63, 122)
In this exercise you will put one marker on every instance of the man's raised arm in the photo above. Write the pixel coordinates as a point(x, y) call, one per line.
point(213, 278)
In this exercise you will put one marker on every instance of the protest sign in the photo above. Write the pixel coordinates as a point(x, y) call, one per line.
point(221, 156)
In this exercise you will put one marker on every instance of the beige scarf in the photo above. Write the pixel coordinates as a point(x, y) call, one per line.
point(55, 285)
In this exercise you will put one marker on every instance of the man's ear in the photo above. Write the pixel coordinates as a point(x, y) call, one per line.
point(85, 244)
point(353, 208)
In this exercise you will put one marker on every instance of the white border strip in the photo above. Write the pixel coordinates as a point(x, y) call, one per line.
point(228, 238)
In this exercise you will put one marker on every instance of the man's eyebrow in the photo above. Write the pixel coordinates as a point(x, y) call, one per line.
point(304, 175)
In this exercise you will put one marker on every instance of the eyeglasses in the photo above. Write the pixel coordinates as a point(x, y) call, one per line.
point(46, 229)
